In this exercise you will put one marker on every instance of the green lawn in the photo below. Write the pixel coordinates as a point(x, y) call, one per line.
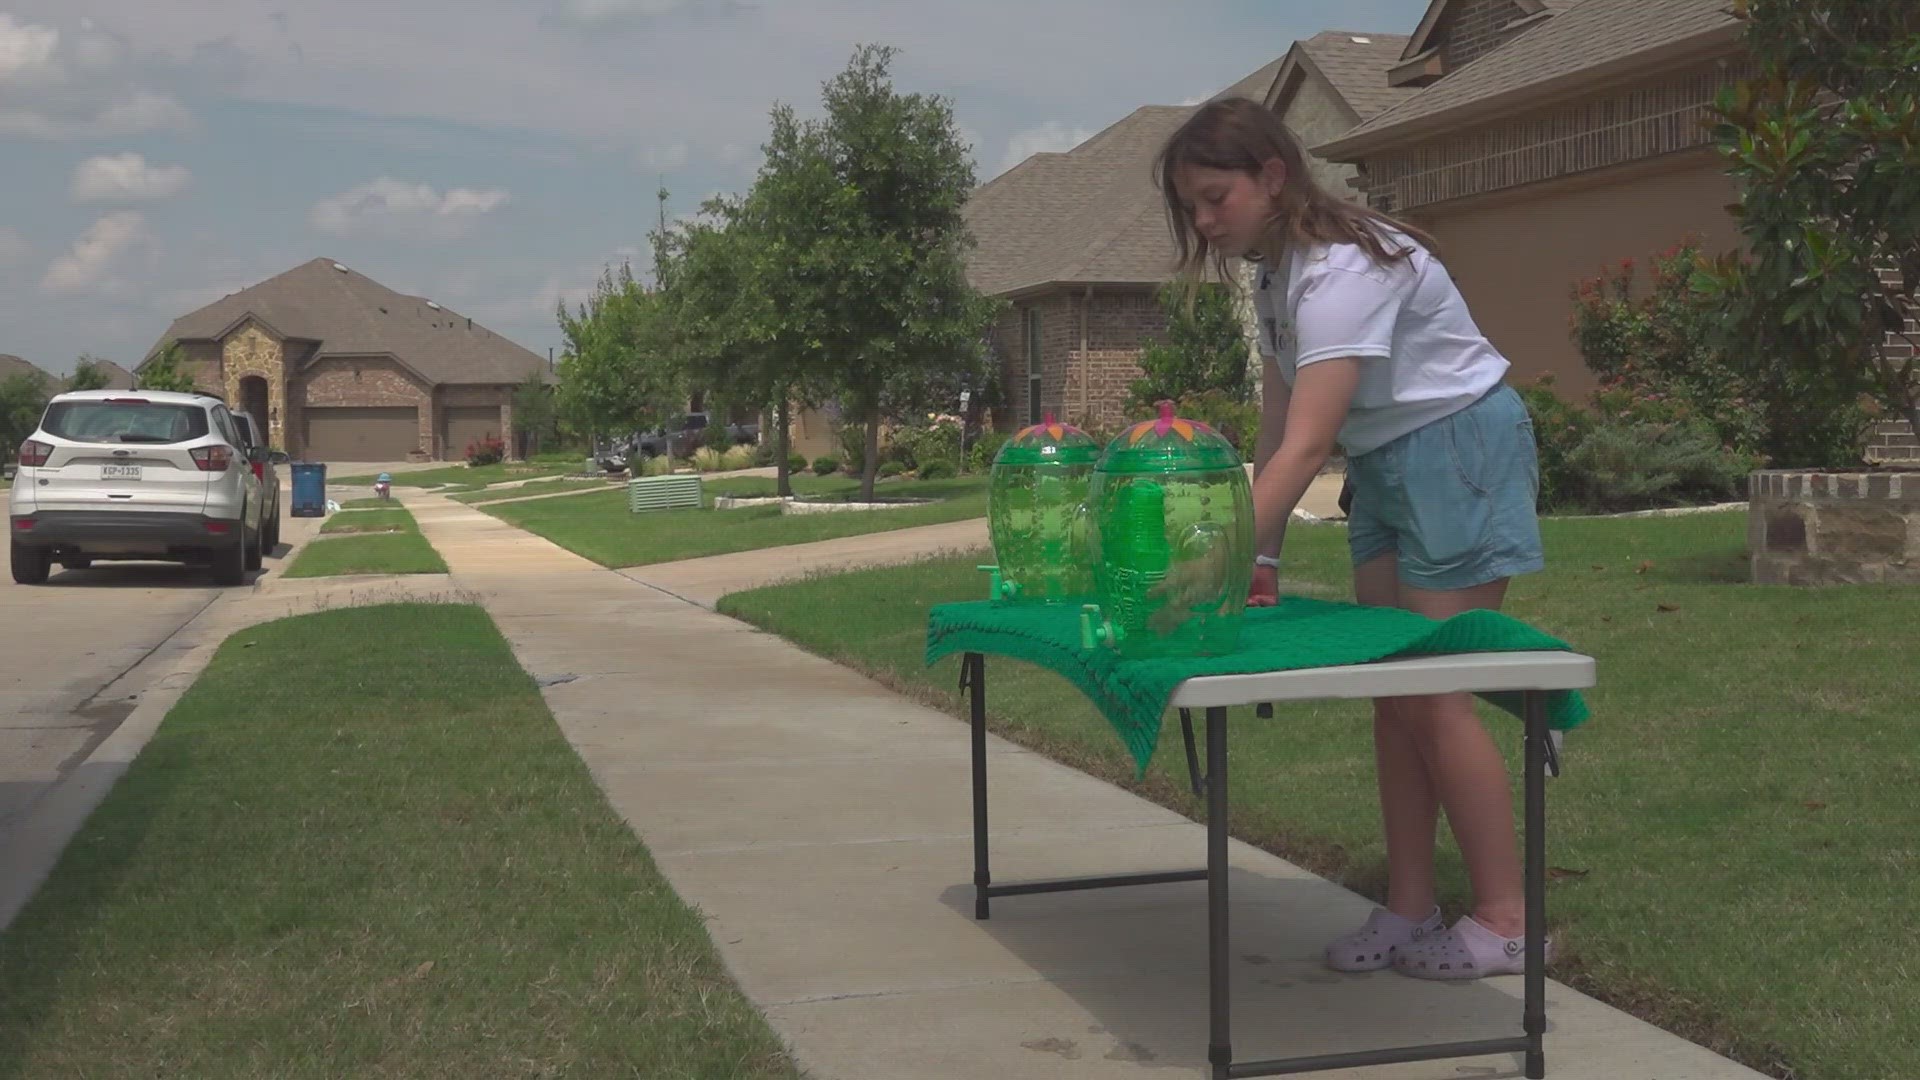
point(390, 518)
point(1732, 846)
point(403, 551)
point(359, 846)
point(462, 474)
point(367, 504)
point(599, 526)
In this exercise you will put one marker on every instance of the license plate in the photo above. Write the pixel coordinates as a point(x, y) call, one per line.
point(119, 472)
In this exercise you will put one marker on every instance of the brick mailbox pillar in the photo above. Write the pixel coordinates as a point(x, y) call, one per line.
point(1829, 528)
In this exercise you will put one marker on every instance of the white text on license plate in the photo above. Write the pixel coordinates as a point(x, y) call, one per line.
point(119, 472)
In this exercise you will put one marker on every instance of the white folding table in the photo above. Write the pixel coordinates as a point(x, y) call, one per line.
point(1531, 674)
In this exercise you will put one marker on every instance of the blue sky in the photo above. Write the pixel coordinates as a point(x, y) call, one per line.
point(495, 155)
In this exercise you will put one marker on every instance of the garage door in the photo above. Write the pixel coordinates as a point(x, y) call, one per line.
point(468, 424)
point(361, 434)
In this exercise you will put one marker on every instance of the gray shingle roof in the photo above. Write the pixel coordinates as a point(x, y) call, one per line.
point(11, 365)
point(349, 314)
point(1579, 40)
point(1091, 215)
point(1356, 63)
point(118, 378)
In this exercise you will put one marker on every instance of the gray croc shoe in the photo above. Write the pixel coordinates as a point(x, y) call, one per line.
point(1467, 950)
point(1371, 947)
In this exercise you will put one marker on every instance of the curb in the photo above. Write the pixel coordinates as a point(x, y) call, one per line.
point(36, 843)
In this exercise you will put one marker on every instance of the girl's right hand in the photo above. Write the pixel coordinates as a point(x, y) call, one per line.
point(1265, 589)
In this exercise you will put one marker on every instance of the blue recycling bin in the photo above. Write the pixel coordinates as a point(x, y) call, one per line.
point(309, 489)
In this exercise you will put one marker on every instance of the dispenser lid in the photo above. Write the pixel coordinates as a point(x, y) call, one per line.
point(1049, 442)
point(1169, 444)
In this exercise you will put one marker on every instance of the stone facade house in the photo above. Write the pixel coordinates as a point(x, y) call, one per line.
point(341, 368)
point(1077, 242)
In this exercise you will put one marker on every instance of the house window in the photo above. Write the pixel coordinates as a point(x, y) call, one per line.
point(1033, 366)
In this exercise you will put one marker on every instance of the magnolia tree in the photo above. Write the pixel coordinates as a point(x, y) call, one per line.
point(1826, 148)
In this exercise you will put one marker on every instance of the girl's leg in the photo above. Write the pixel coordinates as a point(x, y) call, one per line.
point(1468, 774)
point(1409, 807)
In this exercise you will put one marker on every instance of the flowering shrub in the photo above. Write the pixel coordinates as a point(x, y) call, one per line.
point(487, 451)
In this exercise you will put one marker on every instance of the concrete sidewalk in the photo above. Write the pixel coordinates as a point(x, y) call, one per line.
point(822, 824)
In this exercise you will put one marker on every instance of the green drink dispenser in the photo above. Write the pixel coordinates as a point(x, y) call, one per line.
point(1173, 542)
point(1037, 515)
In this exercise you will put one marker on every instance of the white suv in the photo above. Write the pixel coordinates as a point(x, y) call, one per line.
point(135, 474)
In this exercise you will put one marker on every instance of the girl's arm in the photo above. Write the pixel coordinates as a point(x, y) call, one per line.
point(1273, 424)
point(1315, 409)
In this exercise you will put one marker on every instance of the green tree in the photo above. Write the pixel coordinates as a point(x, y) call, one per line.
point(1204, 348)
point(165, 372)
point(888, 243)
point(87, 375)
point(1825, 145)
point(534, 415)
point(22, 399)
point(615, 373)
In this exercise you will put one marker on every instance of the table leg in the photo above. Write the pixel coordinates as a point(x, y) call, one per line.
point(1219, 999)
point(977, 706)
point(1534, 1015)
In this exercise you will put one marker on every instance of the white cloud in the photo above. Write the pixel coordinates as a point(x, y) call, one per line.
point(61, 86)
point(26, 51)
point(1050, 137)
point(387, 202)
point(101, 254)
point(127, 176)
point(14, 248)
point(663, 157)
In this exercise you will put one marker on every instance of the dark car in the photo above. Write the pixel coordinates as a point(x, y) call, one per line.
point(265, 462)
point(688, 433)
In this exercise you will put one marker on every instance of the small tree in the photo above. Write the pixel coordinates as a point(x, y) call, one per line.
point(534, 415)
point(87, 375)
point(165, 372)
point(1826, 147)
point(1205, 348)
point(22, 399)
point(890, 244)
point(616, 373)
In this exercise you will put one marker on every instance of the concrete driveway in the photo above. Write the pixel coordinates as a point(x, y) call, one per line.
point(66, 646)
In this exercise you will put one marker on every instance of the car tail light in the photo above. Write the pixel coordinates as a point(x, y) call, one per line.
point(23, 524)
point(218, 528)
point(213, 458)
point(260, 470)
point(34, 452)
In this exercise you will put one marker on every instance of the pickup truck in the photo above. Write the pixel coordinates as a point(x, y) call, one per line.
point(688, 433)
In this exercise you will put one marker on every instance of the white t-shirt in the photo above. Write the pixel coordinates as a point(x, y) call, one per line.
point(1424, 356)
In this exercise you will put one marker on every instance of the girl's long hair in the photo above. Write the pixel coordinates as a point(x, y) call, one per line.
point(1243, 135)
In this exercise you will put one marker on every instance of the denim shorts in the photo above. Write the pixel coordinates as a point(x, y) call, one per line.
point(1455, 500)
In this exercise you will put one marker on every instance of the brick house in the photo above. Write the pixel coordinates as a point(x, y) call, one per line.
point(1077, 242)
point(342, 368)
point(1549, 139)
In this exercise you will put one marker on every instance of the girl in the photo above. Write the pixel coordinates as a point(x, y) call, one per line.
point(1367, 343)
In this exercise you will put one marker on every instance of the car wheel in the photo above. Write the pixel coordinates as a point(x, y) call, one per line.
point(77, 562)
point(253, 548)
point(31, 564)
point(230, 563)
point(271, 543)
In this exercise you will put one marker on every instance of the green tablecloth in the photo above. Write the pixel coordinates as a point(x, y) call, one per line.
point(1296, 633)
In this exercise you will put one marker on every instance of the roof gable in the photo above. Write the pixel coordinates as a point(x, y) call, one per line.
point(1091, 215)
point(1587, 43)
point(11, 366)
point(1352, 64)
point(345, 313)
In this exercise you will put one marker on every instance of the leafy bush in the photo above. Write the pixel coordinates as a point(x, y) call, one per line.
point(656, 465)
point(984, 449)
point(763, 453)
point(737, 457)
point(891, 469)
point(715, 435)
point(937, 469)
point(914, 445)
point(1558, 429)
point(796, 463)
point(1643, 465)
point(1238, 421)
point(853, 447)
point(826, 465)
point(1205, 348)
point(488, 451)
